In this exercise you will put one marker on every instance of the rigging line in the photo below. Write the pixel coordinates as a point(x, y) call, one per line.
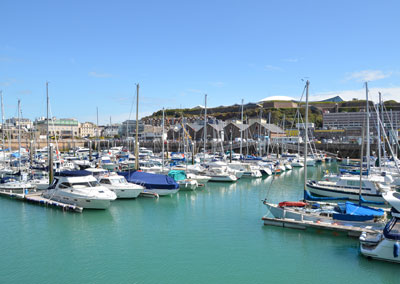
point(270, 185)
point(391, 126)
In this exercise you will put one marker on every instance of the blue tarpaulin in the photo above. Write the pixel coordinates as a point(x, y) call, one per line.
point(354, 212)
point(150, 181)
point(177, 175)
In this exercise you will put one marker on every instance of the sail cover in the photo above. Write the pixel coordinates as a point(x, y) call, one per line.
point(150, 181)
point(357, 213)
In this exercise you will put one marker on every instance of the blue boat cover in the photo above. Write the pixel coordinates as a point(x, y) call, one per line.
point(354, 212)
point(392, 229)
point(150, 181)
point(73, 173)
point(177, 175)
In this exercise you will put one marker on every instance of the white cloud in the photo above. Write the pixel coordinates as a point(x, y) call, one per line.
point(194, 91)
point(291, 60)
point(217, 84)
point(272, 68)
point(99, 75)
point(8, 82)
point(368, 75)
point(392, 93)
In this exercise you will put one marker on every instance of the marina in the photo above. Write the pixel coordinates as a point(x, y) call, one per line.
point(218, 230)
point(200, 142)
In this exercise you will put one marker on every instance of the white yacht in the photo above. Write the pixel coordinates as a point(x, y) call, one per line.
point(79, 188)
point(385, 245)
point(219, 174)
point(120, 186)
point(372, 187)
point(199, 178)
point(249, 171)
point(16, 186)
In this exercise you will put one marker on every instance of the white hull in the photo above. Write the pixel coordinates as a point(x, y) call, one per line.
point(341, 192)
point(188, 184)
point(291, 213)
point(126, 192)
point(223, 178)
point(252, 174)
point(163, 192)
point(382, 251)
point(288, 167)
point(297, 164)
point(81, 202)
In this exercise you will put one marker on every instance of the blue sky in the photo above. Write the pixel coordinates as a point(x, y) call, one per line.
point(93, 53)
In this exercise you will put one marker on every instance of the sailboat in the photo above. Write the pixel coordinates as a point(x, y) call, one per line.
point(347, 187)
point(348, 214)
point(18, 184)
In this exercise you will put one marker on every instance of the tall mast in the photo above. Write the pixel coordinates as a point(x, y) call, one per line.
point(361, 163)
point(306, 138)
point(97, 130)
point(205, 128)
point(241, 132)
point(19, 136)
point(162, 139)
point(379, 133)
point(47, 127)
point(2, 126)
point(368, 139)
point(137, 129)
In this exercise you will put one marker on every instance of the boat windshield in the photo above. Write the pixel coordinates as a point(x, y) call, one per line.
point(80, 184)
point(119, 180)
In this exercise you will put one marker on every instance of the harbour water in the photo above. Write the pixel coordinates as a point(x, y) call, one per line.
point(211, 236)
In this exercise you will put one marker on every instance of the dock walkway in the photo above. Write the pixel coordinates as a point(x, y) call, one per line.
point(37, 198)
point(302, 225)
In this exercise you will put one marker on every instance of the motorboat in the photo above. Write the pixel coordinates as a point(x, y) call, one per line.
point(201, 179)
point(119, 185)
point(79, 188)
point(249, 171)
point(154, 183)
point(184, 182)
point(12, 185)
point(348, 187)
point(385, 245)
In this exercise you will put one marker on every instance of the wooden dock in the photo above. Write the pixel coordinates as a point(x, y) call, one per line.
point(37, 198)
point(351, 231)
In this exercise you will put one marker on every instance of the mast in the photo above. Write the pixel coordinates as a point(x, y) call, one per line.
point(97, 131)
point(361, 164)
point(2, 126)
point(306, 138)
point(368, 139)
point(379, 134)
point(137, 129)
point(205, 128)
point(47, 126)
point(283, 124)
point(162, 139)
point(241, 133)
point(19, 136)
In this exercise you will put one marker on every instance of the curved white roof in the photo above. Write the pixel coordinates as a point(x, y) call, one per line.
point(277, 98)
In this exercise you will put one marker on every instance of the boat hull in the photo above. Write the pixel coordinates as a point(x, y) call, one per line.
point(340, 193)
point(382, 251)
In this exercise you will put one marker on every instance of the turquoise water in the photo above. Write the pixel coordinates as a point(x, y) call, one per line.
point(212, 236)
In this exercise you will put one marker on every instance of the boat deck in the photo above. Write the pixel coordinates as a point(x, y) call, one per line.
point(351, 231)
point(37, 198)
